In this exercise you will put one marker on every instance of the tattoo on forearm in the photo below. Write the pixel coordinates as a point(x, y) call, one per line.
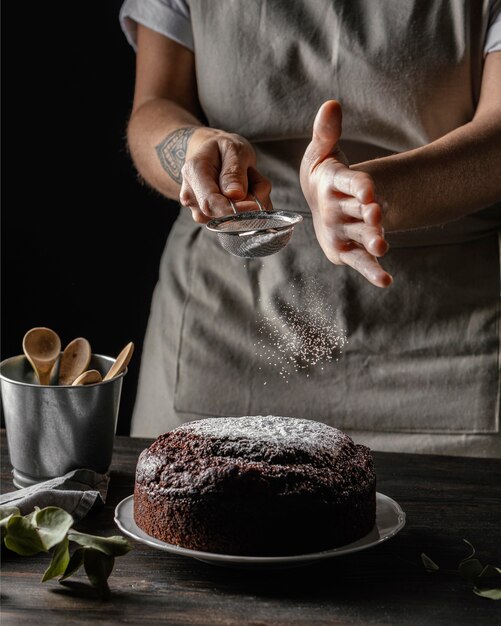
point(172, 152)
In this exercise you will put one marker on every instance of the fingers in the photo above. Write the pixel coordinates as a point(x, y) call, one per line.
point(326, 133)
point(370, 237)
point(222, 169)
point(341, 235)
point(260, 187)
point(345, 220)
point(189, 200)
point(350, 233)
point(345, 213)
point(338, 177)
point(361, 261)
point(218, 162)
point(199, 191)
point(236, 158)
point(370, 213)
point(342, 251)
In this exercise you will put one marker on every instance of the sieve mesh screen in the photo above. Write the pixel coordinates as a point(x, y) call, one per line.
point(249, 224)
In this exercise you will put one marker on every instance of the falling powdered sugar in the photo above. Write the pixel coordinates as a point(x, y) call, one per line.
point(299, 333)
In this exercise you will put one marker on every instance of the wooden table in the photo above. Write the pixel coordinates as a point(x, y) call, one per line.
point(445, 499)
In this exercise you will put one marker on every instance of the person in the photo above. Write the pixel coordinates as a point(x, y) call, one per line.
point(399, 246)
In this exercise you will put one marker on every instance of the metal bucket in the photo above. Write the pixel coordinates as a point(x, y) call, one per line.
point(53, 429)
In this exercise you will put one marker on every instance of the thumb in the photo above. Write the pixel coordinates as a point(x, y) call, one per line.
point(326, 132)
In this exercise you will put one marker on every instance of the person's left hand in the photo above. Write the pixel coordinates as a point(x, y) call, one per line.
point(346, 216)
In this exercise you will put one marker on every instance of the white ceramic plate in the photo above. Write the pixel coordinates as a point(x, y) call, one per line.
point(390, 519)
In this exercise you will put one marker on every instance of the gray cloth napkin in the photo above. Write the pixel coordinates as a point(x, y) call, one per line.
point(76, 492)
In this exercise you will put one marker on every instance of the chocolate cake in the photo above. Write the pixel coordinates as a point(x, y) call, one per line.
point(255, 486)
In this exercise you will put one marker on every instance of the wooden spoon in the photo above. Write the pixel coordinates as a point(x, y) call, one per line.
point(121, 362)
point(74, 360)
point(42, 348)
point(88, 378)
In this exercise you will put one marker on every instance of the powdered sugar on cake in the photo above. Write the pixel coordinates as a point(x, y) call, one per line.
point(255, 486)
point(307, 435)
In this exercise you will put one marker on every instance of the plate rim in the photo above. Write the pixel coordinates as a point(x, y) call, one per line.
point(265, 560)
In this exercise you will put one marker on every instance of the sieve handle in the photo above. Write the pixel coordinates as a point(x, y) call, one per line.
point(258, 203)
point(255, 200)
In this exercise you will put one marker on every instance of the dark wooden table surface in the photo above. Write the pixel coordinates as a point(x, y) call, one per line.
point(445, 499)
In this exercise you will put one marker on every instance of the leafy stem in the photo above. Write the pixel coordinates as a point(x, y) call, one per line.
point(51, 529)
point(486, 579)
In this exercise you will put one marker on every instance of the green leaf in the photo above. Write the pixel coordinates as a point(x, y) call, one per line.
point(6, 512)
point(76, 560)
point(22, 538)
point(490, 576)
point(492, 594)
point(31, 516)
point(60, 560)
point(429, 565)
point(112, 546)
point(50, 527)
point(98, 567)
point(486, 580)
point(491, 571)
point(52, 524)
point(472, 551)
point(470, 568)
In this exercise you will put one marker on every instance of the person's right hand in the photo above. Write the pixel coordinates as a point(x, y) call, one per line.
point(219, 166)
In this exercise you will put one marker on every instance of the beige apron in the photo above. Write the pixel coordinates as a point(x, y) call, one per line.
point(416, 366)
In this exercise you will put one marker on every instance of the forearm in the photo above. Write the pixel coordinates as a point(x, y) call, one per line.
point(158, 130)
point(449, 178)
point(174, 152)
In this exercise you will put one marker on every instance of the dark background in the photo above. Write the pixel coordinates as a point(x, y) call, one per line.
point(81, 236)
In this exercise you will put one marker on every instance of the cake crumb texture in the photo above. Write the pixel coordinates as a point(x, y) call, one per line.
point(260, 485)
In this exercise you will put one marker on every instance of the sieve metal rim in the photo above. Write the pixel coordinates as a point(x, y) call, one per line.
point(290, 219)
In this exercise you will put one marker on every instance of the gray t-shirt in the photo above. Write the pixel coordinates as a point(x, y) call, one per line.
point(172, 19)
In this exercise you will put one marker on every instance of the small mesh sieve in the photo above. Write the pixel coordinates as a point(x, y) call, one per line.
point(254, 233)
